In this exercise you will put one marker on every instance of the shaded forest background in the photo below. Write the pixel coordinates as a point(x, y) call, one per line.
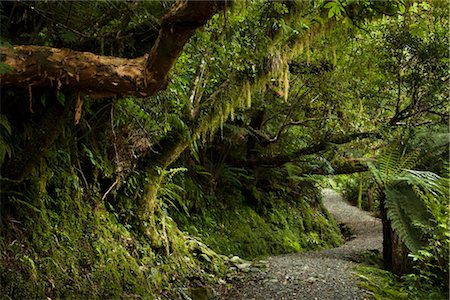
point(174, 134)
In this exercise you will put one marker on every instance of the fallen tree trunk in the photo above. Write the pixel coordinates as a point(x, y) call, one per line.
point(105, 76)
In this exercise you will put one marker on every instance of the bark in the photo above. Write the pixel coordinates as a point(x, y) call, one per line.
point(395, 253)
point(105, 76)
point(387, 233)
point(401, 262)
point(147, 207)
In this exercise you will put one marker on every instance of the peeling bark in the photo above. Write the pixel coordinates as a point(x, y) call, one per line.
point(105, 76)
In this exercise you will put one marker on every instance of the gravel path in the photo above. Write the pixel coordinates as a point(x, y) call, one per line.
point(325, 274)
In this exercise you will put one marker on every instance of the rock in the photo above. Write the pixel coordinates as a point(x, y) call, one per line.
point(244, 267)
point(235, 259)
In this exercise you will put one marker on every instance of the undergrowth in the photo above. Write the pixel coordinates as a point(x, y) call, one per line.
point(64, 244)
point(383, 285)
point(257, 223)
point(66, 234)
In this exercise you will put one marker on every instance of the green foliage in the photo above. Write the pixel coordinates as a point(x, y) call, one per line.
point(72, 227)
point(335, 9)
point(104, 27)
point(67, 233)
point(5, 133)
point(417, 206)
point(170, 192)
point(384, 285)
point(432, 259)
point(406, 211)
point(241, 218)
point(392, 164)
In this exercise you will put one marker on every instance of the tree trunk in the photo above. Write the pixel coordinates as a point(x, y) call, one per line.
point(395, 253)
point(387, 233)
point(401, 263)
point(148, 208)
point(104, 76)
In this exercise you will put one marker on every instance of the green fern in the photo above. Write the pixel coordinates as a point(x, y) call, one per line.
point(170, 192)
point(393, 163)
point(406, 209)
point(234, 176)
point(5, 133)
point(406, 212)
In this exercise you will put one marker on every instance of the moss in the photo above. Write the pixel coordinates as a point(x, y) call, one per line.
point(250, 231)
point(62, 238)
point(83, 252)
point(383, 284)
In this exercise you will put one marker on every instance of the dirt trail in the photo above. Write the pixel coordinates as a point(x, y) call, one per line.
point(325, 274)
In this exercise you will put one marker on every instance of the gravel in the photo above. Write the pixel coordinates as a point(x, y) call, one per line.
point(325, 274)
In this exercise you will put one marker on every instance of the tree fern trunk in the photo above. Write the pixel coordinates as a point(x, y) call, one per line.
point(395, 253)
point(401, 263)
point(387, 233)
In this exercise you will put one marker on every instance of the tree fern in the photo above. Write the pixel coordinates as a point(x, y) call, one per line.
point(406, 211)
point(393, 163)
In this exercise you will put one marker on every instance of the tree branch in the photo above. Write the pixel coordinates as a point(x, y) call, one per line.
point(105, 76)
point(264, 140)
point(316, 148)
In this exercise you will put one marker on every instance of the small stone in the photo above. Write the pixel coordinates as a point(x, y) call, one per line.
point(244, 266)
point(235, 259)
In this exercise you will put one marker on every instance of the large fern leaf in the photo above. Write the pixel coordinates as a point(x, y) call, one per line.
point(393, 163)
point(389, 162)
point(406, 211)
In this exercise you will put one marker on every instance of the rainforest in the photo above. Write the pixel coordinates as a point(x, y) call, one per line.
point(224, 149)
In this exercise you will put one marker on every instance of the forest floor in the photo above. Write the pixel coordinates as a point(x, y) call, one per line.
point(325, 274)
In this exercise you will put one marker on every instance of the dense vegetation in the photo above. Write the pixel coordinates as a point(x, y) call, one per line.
point(106, 194)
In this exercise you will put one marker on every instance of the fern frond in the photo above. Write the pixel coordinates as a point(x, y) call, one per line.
point(404, 210)
point(4, 123)
point(425, 179)
point(230, 175)
point(393, 164)
point(379, 178)
point(292, 169)
point(389, 162)
point(409, 160)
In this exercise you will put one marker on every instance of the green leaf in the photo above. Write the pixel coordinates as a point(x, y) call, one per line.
point(90, 155)
point(5, 124)
point(5, 68)
point(61, 98)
